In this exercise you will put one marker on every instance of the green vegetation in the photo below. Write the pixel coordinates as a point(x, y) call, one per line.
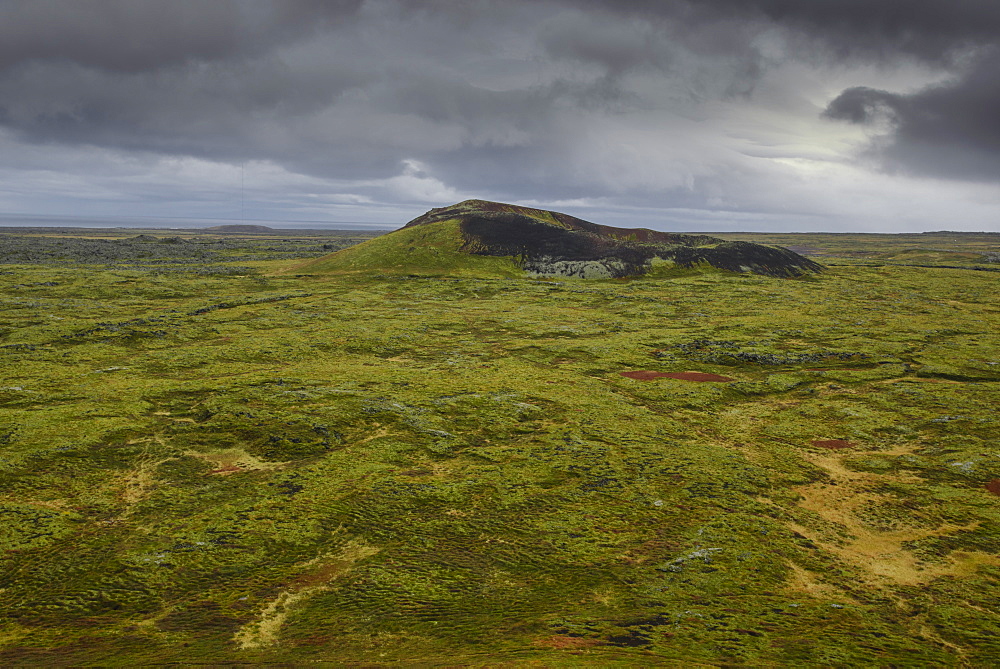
point(203, 251)
point(286, 465)
point(961, 249)
point(425, 250)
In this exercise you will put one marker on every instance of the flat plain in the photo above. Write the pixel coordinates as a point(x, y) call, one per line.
point(209, 456)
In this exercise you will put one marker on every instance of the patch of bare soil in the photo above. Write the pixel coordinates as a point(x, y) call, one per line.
point(647, 375)
point(319, 574)
point(233, 460)
point(803, 580)
point(881, 554)
point(994, 486)
point(137, 483)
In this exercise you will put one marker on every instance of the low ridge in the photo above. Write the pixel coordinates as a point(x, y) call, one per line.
point(546, 243)
point(240, 227)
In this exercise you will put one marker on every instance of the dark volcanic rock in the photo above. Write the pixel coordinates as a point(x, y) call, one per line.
point(551, 243)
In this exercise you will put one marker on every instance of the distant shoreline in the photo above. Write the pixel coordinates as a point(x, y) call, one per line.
point(333, 228)
point(176, 224)
point(70, 231)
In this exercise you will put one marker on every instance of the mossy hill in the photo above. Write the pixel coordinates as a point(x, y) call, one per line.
point(477, 237)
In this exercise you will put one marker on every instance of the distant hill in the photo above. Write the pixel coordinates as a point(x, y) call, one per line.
point(477, 236)
point(240, 228)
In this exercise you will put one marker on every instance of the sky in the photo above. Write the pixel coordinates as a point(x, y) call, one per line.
point(690, 115)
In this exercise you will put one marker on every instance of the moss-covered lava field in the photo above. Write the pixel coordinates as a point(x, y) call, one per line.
point(250, 464)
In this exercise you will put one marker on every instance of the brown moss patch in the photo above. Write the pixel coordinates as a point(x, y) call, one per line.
point(320, 573)
point(837, 369)
point(647, 375)
point(559, 641)
point(228, 461)
point(833, 444)
point(994, 486)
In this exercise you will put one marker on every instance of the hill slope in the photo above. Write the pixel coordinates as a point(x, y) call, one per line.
point(545, 243)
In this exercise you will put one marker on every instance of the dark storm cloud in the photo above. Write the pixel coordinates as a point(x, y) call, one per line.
point(948, 130)
point(677, 101)
point(346, 96)
point(138, 35)
point(616, 47)
point(952, 129)
point(185, 77)
point(862, 104)
point(204, 109)
point(929, 29)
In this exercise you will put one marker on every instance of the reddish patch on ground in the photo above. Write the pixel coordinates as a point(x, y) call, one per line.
point(834, 444)
point(559, 641)
point(647, 375)
point(994, 487)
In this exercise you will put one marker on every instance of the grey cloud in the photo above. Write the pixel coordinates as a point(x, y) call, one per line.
point(542, 100)
point(254, 78)
point(615, 46)
point(138, 35)
point(929, 29)
point(949, 130)
point(861, 104)
point(198, 109)
point(676, 39)
point(348, 101)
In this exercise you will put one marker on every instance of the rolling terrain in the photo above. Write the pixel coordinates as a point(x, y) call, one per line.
point(438, 460)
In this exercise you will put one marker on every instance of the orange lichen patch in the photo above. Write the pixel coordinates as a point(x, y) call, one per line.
point(833, 444)
point(647, 375)
point(558, 641)
point(994, 486)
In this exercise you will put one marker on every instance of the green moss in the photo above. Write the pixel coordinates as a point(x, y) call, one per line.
point(439, 465)
point(428, 250)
